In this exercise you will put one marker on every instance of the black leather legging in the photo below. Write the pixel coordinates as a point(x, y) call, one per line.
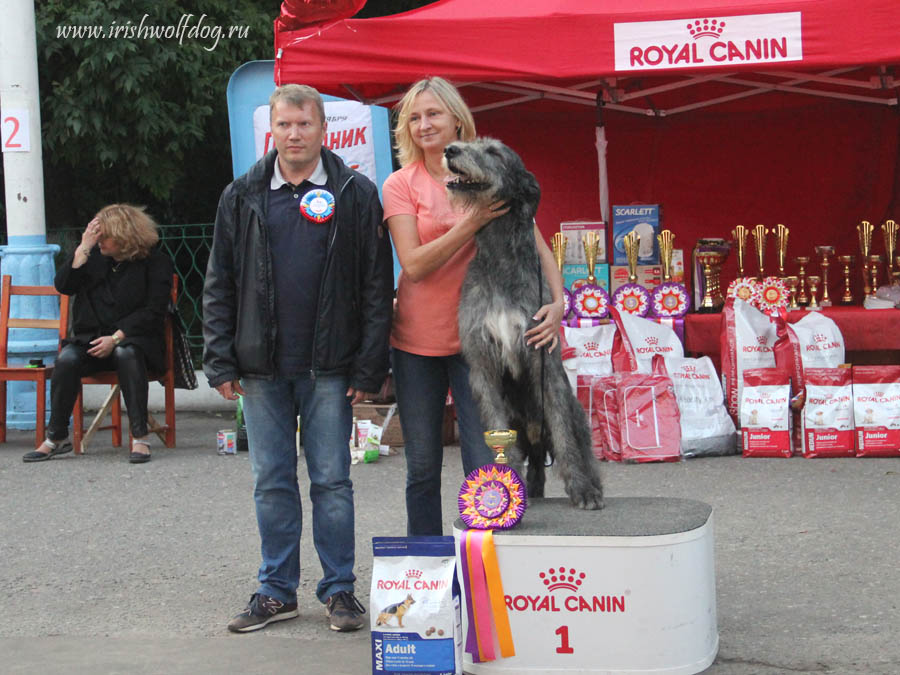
point(73, 363)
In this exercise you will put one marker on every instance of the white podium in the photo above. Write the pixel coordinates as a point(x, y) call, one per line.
point(629, 589)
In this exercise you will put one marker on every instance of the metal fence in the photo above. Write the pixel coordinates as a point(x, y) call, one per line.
point(188, 246)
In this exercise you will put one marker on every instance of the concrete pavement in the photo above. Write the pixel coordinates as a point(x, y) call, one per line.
point(108, 567)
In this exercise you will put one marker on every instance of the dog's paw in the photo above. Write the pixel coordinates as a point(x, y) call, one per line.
point(589, 501)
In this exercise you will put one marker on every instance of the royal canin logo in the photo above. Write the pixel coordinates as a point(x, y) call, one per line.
point(591, 346)
point(558, 580)
point(706, 28)
point(413, 580)
point(818, 337)
point(653, 350)
point(690, 369)
point(827, 400)
point(652, 341)
point(677, 43)
point(761, 339)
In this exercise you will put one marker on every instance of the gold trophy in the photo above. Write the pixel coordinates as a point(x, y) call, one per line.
point(825, 251)
point(865, 243)
point(740, 239)
point(558, 242)
point(666, 241)
point(632, 243)
point(802, 261)
point(712, 294)
point(813, 284)
point(846, 261)
point(759, 239)
point(874, 264)
point(889, 230)
point(499, 440)
point(792, 289)
point(781, 241)
point(591, 242)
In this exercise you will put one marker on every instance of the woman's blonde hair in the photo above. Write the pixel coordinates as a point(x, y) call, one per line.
point(407, 151)
point(131, 228)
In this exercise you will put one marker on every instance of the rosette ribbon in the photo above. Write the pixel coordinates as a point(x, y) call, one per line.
point(485, 603)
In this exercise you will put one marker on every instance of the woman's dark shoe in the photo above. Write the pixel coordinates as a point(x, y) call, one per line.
point(55, 449)
point(139, 457)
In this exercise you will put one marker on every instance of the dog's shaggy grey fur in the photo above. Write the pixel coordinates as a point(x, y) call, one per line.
point(516, 386)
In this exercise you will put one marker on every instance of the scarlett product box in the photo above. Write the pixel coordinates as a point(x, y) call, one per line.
point(572, 273)
point(574, 231)
point(648, 276)
point(643, 219)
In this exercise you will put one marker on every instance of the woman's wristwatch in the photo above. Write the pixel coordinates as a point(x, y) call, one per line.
point(116, 339)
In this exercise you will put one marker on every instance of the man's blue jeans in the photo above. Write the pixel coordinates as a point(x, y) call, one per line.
point(421, 384)
point(270, 410)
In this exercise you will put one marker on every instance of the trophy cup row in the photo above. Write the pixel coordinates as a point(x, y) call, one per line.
point(802, 288)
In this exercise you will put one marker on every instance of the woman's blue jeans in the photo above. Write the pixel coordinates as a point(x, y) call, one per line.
point(270, 410)
point(421, 384)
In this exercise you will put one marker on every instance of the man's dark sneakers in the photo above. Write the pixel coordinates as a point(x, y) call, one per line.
point(261, 611)
point(345, 611)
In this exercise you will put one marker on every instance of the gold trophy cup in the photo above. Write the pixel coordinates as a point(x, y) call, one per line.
point(558, 242)
point(781, 241)
point(889, 230)
point(874, 264)
point(591, 243)
point(740, 240)
point(802, 261)
point(500, 440)
point(865, 243)
point(846, 261)
point(759, 239)
point(825, 251)
point(712, 294)
point(813, 284)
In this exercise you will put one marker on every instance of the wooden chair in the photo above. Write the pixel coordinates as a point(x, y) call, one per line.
point(81, 437)
point(19, 373)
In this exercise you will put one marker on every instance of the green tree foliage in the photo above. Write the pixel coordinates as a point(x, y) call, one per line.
point(141, 118)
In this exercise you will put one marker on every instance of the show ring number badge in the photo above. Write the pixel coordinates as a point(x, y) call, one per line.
point(317, 205)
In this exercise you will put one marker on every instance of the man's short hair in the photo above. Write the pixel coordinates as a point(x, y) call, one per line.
point(298, 95)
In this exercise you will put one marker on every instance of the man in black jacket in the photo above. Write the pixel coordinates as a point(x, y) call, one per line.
point(296, 318)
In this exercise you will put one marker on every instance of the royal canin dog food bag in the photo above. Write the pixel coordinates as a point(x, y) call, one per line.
point(747, 340)
point(592, 349)
point(706, 427)
point(765, 413)
point(641, 340)
point(815, 341)
point(605, 419)
point(649, 423)
point(876, 410)
point(827, 418)
point(414, 606)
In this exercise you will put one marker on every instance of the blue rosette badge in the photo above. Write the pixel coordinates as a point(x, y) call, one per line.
point(317, 205)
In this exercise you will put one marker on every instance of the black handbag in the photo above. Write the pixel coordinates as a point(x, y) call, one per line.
point(182, 364)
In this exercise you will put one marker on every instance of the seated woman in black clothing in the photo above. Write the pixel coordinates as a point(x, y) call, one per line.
point(122, 283)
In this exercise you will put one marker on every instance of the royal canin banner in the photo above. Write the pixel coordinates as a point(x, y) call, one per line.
point(349, 134)
point(708, 41)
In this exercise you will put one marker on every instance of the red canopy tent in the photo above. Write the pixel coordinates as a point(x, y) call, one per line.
point(724, 111)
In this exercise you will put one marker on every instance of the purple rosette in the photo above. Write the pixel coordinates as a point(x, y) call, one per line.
point(670, 300)
point(492, 497)
point(567, 303)
point(590, 302)
point(632, 298)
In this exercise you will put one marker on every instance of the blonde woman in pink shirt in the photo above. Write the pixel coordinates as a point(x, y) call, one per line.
point(435, 245)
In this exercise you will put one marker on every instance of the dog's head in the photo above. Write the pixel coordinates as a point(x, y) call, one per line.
point(485, 170)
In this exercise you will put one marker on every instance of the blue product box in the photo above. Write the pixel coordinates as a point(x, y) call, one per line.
point(574, 272)
point(645, 218)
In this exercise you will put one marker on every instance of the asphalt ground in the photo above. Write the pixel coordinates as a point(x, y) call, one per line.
point(109, 567)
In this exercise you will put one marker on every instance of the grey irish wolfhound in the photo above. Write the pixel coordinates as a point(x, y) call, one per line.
point(516, 386)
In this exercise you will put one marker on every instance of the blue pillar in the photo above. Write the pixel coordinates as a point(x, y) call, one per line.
point(29, 261)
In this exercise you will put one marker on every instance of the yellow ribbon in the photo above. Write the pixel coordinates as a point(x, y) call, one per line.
point(495, 592)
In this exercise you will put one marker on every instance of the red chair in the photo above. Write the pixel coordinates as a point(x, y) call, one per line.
point(19, 373)
point(81, 437)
